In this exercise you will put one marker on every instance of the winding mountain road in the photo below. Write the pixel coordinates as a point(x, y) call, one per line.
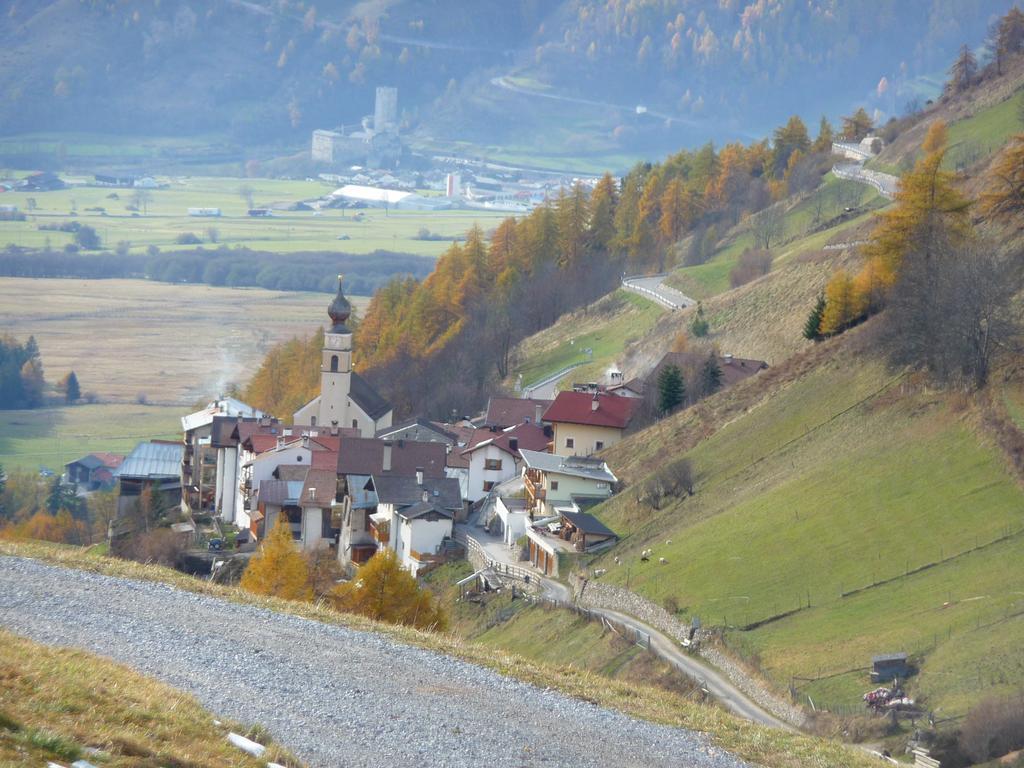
point(654, 287)
point(332, 695)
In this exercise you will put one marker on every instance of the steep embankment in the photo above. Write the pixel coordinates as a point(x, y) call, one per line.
point(852, 510)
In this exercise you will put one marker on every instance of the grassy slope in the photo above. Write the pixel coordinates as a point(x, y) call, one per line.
point(837, 480)
point(764, 747)
point(285, 232)
point(55, 703)
point(605, 326)
point(712, 277)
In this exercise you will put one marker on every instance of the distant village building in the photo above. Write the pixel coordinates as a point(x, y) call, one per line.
point(209, 461)
point(374, 143)
point(93, 472)
point(494, 455)
point(153, 466)
point(345, 399)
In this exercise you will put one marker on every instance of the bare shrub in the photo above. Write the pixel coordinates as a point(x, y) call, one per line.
point(993, 728)
point(160, 546)
point(754, 263)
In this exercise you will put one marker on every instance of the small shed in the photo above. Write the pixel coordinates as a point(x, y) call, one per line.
point(889, 666)
point(584, 530)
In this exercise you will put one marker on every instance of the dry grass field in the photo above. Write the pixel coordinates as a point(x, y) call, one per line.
point(173, 343)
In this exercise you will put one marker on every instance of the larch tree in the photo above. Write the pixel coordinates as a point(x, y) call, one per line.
point(841, 307)
point(1003, 198)
point(858, 125)
point(823, 143)
point(963, 72)
point(278, 569)
point(925, 202)
point(382, 590)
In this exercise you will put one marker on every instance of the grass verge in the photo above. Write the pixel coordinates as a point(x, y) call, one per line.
point(59, 705)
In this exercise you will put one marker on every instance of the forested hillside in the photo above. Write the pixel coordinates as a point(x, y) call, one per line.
point(267, 72)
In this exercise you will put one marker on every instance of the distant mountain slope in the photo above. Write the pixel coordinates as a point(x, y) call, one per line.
point(266, 72)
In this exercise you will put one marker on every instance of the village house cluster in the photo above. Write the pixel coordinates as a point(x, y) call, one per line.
point(349, 482)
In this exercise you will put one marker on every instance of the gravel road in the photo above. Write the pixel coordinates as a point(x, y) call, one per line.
point(334, 696)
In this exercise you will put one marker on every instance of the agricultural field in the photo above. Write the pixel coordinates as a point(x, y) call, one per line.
point(876, 510)
point(168, 345)
point(172, 343)
point(163, 217)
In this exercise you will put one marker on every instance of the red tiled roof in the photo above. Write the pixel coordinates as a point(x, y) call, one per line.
point(325, 460)
point(734, 369)
point(529, 436)
point(110, 460)
point(509, 411)
point(578, 408)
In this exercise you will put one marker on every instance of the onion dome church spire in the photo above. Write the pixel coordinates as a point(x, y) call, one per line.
point(339, 310)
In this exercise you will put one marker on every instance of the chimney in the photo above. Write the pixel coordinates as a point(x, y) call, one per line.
point(312, 494)
point(538, 412)
point(419, 475)
point(426, 495)
point(728, 359)
point(594, 403)
point(280, 441)
point(513, 444)
point(387, 456)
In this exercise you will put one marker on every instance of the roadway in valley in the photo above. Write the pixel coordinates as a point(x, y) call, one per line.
point(332, 695)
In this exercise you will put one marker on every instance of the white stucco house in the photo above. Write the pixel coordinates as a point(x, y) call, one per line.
point(494, 456)
point(553, 481)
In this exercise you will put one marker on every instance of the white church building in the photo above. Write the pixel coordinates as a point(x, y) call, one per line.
point(346, 399)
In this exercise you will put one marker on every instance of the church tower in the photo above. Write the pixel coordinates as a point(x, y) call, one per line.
point(336, 365)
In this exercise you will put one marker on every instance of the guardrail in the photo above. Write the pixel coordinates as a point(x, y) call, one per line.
point(654, 295)
point(477, 554)
point(528, 391)
point(874, 179)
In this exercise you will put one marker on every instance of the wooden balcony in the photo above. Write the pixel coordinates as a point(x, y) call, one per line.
point(534, 490)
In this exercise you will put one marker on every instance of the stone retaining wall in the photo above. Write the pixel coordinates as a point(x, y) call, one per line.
point(590, 594)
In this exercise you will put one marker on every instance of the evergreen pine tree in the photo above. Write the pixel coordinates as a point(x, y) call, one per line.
point(699, 326)
point(671, 389)
point(72, 392)
point(812, 328)
point(711, 376)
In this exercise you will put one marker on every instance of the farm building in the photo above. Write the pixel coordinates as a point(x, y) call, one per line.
point(889, 666)
point(389, 198)
point(204, 212)
point(93, 472)
point(584, 530)
point(153, 466)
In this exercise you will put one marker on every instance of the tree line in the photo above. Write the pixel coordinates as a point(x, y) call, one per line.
point(232, 267)
point(21, 374)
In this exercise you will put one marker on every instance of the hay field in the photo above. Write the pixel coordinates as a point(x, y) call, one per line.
point(173, 343)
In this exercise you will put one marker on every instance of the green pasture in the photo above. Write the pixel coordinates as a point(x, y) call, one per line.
point(836, 483)
point(51, 437)
point(604, 327)
point(705, 280)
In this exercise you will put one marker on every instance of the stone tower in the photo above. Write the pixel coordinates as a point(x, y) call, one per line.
point(336, 365)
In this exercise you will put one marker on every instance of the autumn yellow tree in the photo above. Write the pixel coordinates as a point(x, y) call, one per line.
point(278, 569)
point(1003, 198)
point(925, 204)
point(842, 306)
point(381, 589)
